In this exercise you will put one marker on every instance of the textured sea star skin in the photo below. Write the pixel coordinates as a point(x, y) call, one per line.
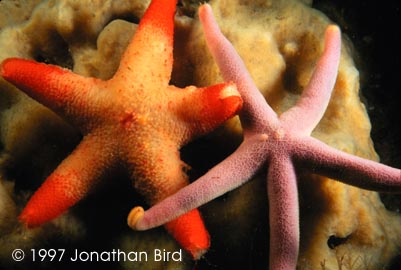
point(135, 120)
point(282, 142)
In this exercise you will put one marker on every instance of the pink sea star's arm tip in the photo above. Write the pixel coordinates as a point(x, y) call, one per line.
point(134, 216)
point(232, 67)
point(309, 109)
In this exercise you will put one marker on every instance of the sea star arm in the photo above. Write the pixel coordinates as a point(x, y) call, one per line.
point(220, 179)
point(309, 109)
point(323, 159)
point(233, 69)
point(283, 214)
point(153, 64)
point(210, 106)
point(159, 172)
point(68, 183)
point(50, 85)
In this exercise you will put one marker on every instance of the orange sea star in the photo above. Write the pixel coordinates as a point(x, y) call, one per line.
point(135, 120)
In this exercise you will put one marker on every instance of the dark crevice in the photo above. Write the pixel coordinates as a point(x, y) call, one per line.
point(125, 17)
point(335, 241)
point(55, 51)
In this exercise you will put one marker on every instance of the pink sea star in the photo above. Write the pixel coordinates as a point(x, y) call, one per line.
point(282, 142)
point(135, 120)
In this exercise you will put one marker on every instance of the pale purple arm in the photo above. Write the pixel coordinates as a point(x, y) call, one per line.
point(320, 158)
point(222, 178)
point(233, 69)
point(308, 111)
point(283, 210)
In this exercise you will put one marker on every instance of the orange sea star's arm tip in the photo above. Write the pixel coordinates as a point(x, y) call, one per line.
point(18, 68)
point(156, 15)
point(33, 215)
point(188, 229)
point(231, 97)
point(190, 232)
point(219, 103)
point(26, 219)
point(10, 67)
point(60, 191)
